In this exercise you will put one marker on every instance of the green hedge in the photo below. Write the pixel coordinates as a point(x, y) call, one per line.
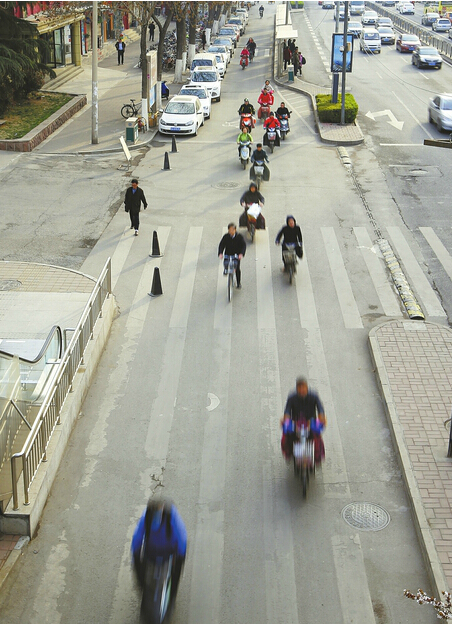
point(296, 5)
point(331, 113)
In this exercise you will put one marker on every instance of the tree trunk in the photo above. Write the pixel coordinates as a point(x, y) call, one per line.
point(191, 42)
point(180, 48)
point(163, 28)
point(143, 60)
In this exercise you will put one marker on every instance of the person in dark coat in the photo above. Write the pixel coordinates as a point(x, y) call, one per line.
point(120, 46)
point(203, 39)
point(290, 233)
point(296, 62)
point(286, 56)
point(233, 243)
point(252, 196)
point(151, 31)
point(133, 199)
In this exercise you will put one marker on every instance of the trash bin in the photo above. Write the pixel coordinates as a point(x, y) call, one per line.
point(290, 73)
point(132, 129)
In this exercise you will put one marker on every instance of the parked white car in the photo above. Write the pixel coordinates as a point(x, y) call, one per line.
point(182, 115)
point(208, 78)
point(203, 95)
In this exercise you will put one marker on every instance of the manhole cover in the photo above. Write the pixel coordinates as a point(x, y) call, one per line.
point(225, 185)
point(410, 171)
point(366, 516)
point(9, 284)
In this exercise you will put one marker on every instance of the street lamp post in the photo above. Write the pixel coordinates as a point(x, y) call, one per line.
point(95, 93)
point(344, 65)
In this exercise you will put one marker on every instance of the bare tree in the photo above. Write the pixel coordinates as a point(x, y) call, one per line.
point(180, 13)
point(163, 28)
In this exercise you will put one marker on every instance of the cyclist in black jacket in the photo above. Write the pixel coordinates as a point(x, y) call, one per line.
point(290, 233)
point(233, 243)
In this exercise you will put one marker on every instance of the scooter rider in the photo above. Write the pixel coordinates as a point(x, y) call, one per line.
point(260, 155)
point(247, 109)
point(252, 196)
point(304, 407)
point(251, 45)
point(290, 233)
point(261, 10)
point(231, 244)
point(265, 99)
point(244, 137)
point(272, 123)
point(268, 86)
point(245, 54)
point(160, 532)
point(282, 110)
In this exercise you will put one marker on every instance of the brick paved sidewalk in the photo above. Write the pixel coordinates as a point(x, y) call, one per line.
point(413, 361)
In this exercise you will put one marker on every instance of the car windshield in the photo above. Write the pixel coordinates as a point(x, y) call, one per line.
point(204, 77)
point(202, 61)
point(227, 31)
point(354, 25)
point(201, 93)
point(428, 51)
point(409, 38)
point(217, 49)
point(180, 108)
point(446, 104)
point(372, 35)
point(385, 29)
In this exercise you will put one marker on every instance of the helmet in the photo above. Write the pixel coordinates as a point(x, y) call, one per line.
point(246, 100)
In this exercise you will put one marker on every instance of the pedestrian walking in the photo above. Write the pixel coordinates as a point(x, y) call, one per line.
point(134, 197)
point(302, 61)
point(292, 45)
point(203, 39)
point(120, 46)
point(286, 56)
point(151, 31)
point(295, 62)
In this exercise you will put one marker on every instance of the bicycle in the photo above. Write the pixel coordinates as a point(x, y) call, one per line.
point(290, 260)
point(303, 458)
point(130, 110)
point(230, 265)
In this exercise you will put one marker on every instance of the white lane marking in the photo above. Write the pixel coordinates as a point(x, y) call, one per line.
point(162, 412)
point(267, 52)
point(182, 299)
point(305, 123)
point(347, 303)
point(279, 559)
point(401, 144)
point(438, 248)
point(351, 577)
point(119, 256)
point(214, 401)
point(305, 295)
point(208, 545)
point(420, 283)
point(412, 115)
point(388, 298)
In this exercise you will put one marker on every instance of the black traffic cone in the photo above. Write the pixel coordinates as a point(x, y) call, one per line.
point(173, 145)
point(166, 165)
point(155, 247)
point(156, 288)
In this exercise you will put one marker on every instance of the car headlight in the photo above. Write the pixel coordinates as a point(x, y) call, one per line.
point(164, 123)
point(189, 123)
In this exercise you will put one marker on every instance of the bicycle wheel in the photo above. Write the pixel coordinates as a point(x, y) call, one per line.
point(230, 286)
point(127, 111)
point(290, 273)
point(304, 480)
point(252, 231)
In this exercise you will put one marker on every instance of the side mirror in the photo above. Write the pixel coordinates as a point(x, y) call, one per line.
point(160, 110)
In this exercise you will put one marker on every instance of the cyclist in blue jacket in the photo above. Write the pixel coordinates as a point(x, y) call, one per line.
point(160, 532)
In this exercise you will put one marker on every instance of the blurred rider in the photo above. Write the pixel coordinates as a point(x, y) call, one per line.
point(272, 123)
point(268, 86)
point(290, 233)
point(251, 45)
point(252, 196)
point(260, 155)
point(244, 137)
point(245, 53)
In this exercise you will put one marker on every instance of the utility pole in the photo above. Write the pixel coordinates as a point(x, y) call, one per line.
point(335, 90)
point(344, 65)
point(95, 93)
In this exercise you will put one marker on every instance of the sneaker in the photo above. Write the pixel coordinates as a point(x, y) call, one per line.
point(136, 232)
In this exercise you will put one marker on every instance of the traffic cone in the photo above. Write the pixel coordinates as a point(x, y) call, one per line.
point(155, 247)
point(173, 145)
point(166, 165)
point(156, 288)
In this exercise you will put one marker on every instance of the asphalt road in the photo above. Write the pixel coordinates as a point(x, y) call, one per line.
point(189, 393)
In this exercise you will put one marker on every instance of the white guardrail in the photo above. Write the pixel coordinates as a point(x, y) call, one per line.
point(34, 450)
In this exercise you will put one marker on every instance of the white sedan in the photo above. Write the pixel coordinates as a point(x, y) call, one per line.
point(183, 115)
point(203, 95)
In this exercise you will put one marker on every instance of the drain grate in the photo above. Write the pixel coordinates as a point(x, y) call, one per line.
point(225, 185)
point(10, 284)
point(366, 516)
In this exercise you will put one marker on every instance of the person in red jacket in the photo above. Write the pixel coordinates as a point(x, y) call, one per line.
point(245, 54)
point(273, 123)
point(265, 99)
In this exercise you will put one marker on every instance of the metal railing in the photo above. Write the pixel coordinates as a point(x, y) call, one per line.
point(34, 451)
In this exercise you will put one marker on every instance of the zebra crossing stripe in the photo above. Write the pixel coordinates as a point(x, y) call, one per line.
point(438, 248)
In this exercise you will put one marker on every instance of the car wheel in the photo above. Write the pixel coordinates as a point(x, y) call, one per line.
point(195, 133)
point(439, 125)
point(430, 118)
point(218, 98)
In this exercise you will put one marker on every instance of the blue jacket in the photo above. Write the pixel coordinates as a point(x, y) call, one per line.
point(158, 542)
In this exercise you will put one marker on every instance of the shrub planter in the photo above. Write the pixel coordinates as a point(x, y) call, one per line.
point(28, 142)
point(331, 113)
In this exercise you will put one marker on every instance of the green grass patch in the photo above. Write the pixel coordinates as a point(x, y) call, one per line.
point(23, 117)
point(331, 113)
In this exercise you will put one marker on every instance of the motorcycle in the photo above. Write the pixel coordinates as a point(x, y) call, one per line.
point(290, 260)
point(251, 51)
point(258, 170)
point(284, 121)
point(165, 90)
point(264, 111)
point(246, 122)
point(252, 219)
point(244, 153)
point(270, 138)
point(157, 591)
point(261, 13)
point(243, 61)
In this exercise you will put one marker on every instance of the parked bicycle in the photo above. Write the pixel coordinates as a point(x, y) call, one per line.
point(130, 110)
point(230, 264)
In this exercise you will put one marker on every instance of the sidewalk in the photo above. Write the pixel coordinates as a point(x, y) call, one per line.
point(413, 362)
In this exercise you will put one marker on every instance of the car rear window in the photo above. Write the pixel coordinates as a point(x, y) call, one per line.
point(204, 77)
point(201, 93)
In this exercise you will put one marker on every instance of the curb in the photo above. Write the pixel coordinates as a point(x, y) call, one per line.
point(12, 559)
point(430, 554)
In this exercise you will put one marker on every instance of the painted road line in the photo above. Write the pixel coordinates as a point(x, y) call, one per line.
point(421, 125)
point(162, 412)
point(419, 281)
point(305, 295)
point(279, 560)
point(438, 248)
point(350, 312)
point(388, 298)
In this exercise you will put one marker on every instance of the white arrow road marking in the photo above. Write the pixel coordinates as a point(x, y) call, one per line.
point(214, 401)
point(231, 123)
point(393, 121)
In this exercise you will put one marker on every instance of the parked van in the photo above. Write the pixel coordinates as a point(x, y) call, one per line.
point(204, 59)
point(370, 41)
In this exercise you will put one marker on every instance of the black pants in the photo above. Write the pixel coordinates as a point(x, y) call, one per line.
point(134, 220)
point(121, 57)
point(238, 272)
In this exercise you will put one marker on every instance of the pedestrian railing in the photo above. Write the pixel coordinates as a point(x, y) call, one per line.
point(34, 451)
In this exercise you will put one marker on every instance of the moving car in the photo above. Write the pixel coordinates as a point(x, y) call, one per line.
point(355, 28)
point(370, 41)
point(183, 115)
point(440, 111)
point(428, 18)
point(357, 8)
point(384, 21)
point(388, 3)
point(426, 56)
point(441, 25)
point(201, 93)
point(328, 5)
point(208, 78)
point(369, 18)
point(406, 9)
point(406, 42)
point(387, 35)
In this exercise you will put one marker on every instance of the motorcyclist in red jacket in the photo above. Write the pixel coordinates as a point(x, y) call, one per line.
point(266, 98)
point(272, 123)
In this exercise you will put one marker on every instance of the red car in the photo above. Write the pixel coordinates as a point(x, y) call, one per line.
point(407, 43)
